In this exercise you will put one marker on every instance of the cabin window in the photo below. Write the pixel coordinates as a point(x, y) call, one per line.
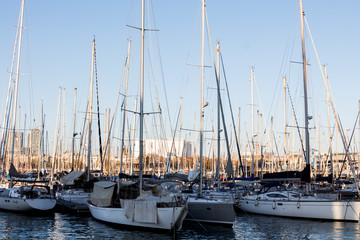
point(5, 193)
point(275, 195)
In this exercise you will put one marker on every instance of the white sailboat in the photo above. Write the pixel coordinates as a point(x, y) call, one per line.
point(205, 208)
point(139, 209)
point(153, 209)
point(287, 203)
point(31, 195)
point(293, 204)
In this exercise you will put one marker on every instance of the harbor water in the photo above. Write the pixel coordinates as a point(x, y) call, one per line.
point(246, 226)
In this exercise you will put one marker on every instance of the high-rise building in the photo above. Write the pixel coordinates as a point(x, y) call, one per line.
point(34, 140)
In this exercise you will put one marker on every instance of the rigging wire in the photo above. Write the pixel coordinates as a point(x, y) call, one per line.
point(282, 66)
point(296, 121)
point(98, 111)
point(232, 114)
point(161, 69)
point(31, 92)
point(348, 145)
point(162, 124)
point(229, 167)
point(116, 106)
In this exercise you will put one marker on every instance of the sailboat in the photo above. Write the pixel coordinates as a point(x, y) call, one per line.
point(28, 194)
point(131, 205)
point(74, 196)
point(208, 208)
point(277, 201)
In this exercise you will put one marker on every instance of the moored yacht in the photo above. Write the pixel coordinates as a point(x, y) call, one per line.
point(210, 210)
point(34, 197)
point(152, 209)
point(138, 204)
point(294, 204)
point(211, 207)
point(73, 194)
point(204, 208)
point(289, 203)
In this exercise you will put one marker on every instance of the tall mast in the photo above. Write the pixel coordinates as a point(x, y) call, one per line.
point(239, 125)
point(103, 159)
point(178, 151)
point(42, 148)
point(261, 143)
point(17, 81)
point(202, 93)
point(110, 169)
point(252, 121)
point(98, 115)
point(141, 93)
point(58, 143)
point(257, 145)
point(57, 133)
point(218, 113)
point(329, 123)
point(307, 138)
point(293, 142)
point(89, 111)
point(74, 134)
point(272, 144)
point(194, 147)
point(23, 142)
point(133, 135)
point(242, 170)
point(18, 142)
point(284, 88)
point(8, 98)
point(125, 101)
point(316, 163)
point(63, 145)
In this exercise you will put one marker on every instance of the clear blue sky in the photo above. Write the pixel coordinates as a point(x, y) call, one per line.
point(260, 33)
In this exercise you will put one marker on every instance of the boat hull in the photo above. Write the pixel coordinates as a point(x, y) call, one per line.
point(76, 201)
point(167, 218)
point(328, 210)
point(211, 211)
point(26, 205)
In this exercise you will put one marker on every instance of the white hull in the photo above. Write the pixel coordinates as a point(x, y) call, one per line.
point(329, 210)
point(167, 218)
point(26, 205)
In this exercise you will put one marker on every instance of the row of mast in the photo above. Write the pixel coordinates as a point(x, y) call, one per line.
point(141, 113)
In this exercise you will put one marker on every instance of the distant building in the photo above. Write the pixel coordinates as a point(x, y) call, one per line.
point(34, 140)
point(18, 142)
point(162, 147)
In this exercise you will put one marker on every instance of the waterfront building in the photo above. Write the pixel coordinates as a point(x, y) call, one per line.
point(34, 140)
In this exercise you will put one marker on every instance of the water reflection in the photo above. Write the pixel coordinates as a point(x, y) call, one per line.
point(250, 226)
point(196, 230)
point(247, 226)
point(18, 226)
